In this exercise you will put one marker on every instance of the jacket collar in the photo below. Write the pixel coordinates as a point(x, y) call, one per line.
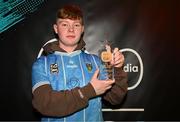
point(54, 46)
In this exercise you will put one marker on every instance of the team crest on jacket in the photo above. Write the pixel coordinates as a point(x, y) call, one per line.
point(54, 68)
point(89, 67)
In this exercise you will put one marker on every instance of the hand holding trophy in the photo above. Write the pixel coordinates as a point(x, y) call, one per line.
point(107, 56)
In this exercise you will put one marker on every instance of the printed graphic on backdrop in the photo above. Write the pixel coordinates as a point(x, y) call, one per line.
point(14, 11)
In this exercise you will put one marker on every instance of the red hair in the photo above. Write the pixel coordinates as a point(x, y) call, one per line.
point(72, 12)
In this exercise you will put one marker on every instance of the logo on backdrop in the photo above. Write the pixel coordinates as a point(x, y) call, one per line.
point(133, 66)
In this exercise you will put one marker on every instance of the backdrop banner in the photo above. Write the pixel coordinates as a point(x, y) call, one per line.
point(146, 32)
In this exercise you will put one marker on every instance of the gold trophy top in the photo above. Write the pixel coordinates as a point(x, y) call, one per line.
point(106, 56)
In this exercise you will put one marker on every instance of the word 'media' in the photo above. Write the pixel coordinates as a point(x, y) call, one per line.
point(130, 68)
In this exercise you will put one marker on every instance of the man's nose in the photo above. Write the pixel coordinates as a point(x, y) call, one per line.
point(71, 29)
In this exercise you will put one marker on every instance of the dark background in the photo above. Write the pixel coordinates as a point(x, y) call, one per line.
point(151, 27)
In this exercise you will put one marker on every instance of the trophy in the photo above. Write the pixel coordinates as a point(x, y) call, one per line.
point(106, 55)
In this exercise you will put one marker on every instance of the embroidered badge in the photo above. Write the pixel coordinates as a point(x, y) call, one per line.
point(54, 68)
point(89, 66)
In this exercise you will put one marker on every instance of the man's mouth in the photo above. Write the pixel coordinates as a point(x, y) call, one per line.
point(70, 36)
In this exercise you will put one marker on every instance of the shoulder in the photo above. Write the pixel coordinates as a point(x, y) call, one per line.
point(39, 60)
point(43, 59)
point(91, 55)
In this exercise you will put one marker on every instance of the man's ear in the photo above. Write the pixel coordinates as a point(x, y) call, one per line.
point(55, 28)
point(82, 29)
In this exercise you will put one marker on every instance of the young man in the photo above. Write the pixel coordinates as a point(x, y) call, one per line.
point(67, 85)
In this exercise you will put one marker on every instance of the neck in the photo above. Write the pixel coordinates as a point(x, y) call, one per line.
point(68, 49)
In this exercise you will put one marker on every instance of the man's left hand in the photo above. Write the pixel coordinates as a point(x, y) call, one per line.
point(118, 58)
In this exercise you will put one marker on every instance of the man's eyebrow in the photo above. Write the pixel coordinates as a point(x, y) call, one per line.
point(63, 21)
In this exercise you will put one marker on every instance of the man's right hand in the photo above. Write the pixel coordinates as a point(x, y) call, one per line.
point(100, 86)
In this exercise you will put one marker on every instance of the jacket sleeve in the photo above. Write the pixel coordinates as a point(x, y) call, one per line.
point(118, 91)
point(61, 103)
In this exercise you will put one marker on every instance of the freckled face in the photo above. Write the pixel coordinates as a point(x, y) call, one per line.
point(69, 31)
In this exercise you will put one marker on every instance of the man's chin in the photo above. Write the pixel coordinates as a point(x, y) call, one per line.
point(71, 44)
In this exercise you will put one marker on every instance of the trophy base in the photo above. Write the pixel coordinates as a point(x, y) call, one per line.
point(107, 70)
